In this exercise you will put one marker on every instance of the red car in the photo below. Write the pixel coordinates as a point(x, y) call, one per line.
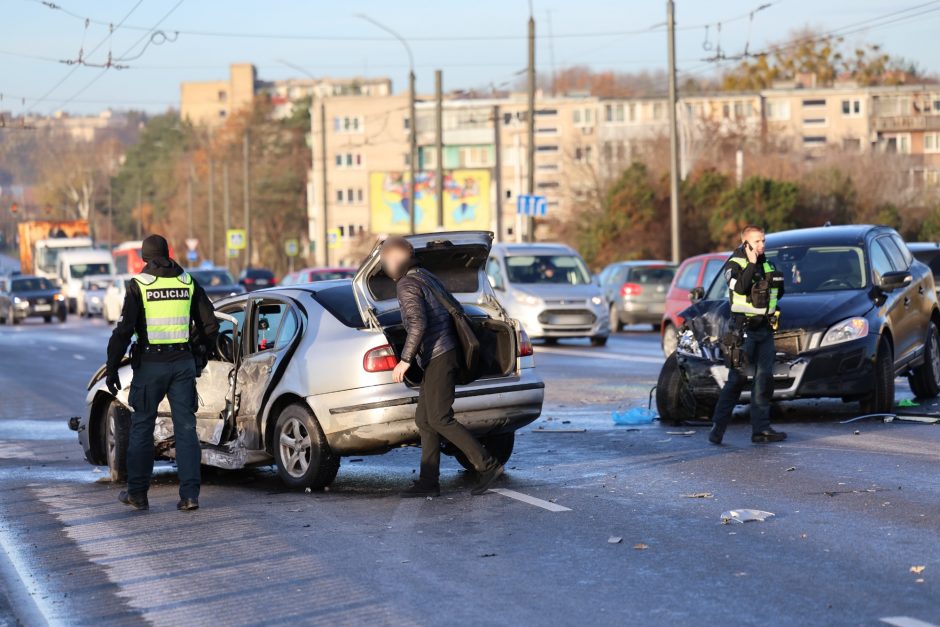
point(697, 271)
point(312, 275)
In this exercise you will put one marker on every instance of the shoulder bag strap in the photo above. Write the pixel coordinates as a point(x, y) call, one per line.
point(443, 300)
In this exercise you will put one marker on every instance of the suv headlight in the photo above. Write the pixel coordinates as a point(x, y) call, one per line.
point(688, 345)
point(526, 299)
point(845, 331)
point(596, 300)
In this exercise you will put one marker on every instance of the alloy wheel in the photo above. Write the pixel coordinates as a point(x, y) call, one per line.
point(295, 447)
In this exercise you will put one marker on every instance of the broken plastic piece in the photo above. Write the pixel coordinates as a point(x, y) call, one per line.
point(682, 433)
point(906, 402)
point(699, 495)
point(634, 416)
point(745, 515)
point(639, 546)
point(614, 540)
point(917, 569)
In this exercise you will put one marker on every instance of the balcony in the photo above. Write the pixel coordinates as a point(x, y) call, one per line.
point(907, 123)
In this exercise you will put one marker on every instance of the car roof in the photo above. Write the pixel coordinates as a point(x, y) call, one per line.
point(923, 247)
point(849, 234)
point(533, 249)
point(642, 262)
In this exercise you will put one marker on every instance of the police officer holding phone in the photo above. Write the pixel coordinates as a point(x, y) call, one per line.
point(754, 287)
point(165, 308)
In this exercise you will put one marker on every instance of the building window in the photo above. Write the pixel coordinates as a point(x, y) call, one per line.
point(725, 110)
point(546, 149)
point(814, 121)
point(742, 109)
point(349, 159)
point(588, 153)
point(851, 108)
point(349, 195)
point(407, 123)
point(339, 195)
point(608, 151)
point(576, 116)
point(900, 144)
point(548, 130)
point(931, 178)
point(613, 113)
point(631, 111)
point(359, 195)
point(811, 141)
point(778, 110)
point(658, 109)
point(223, 95)
point(931, 142)
point(578, 154)
point(222, 113)
point(814, 102)
point(339, 161)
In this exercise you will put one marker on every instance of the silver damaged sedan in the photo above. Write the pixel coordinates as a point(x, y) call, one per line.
point(302, 375)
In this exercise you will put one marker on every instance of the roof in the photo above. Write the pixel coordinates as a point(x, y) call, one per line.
point(643, 262)
point(533, 249)
point(844, 235)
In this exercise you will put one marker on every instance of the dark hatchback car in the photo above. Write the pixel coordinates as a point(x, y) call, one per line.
point(858, 311)
point(256, 279)
point(31, 297)
point(217, 282)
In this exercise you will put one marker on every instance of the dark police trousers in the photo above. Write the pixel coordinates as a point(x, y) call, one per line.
point(435, 418)
point(760, 352)
point(154, 380)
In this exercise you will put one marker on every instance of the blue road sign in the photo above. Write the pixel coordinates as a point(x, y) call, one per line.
point(527, 205)
point(192, 255)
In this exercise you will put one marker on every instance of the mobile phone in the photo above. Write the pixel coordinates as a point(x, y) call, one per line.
point(747, 245)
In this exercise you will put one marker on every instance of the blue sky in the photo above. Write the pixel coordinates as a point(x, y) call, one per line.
point(582, 35)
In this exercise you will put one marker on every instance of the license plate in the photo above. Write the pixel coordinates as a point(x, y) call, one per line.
point(43, 307)
point(262, 281)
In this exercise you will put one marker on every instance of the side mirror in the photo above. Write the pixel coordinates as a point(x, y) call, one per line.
point(696, 294)
point(891, 281)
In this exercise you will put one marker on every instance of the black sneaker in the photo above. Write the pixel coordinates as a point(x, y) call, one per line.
point(487, 477)
point(187, 505)
point(421, 490)
point(768, 435)
point(135, 501)
point(716, 435)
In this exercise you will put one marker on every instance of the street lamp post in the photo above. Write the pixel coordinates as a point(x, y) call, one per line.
point(413, 122)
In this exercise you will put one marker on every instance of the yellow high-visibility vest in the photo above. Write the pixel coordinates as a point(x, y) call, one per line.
point(167, 302)
point(741, 303)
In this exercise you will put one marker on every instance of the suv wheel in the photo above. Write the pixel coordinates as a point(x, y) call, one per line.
point(675, 400)
point(925, 379)
point(499, 446)
point(115, 430)
point(599, 340)
point(301, 452)
point(881, 400)
point(615, 325)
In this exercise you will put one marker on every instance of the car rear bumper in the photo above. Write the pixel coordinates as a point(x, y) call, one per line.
point(376, 419)
point(632, 312)
point(842, 371)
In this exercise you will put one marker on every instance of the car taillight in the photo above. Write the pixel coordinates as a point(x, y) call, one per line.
point(525, 344)
point(631, 289)
point(381, 359)
point(249, 281)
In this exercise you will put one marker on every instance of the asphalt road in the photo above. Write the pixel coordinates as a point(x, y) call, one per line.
point(854, 513)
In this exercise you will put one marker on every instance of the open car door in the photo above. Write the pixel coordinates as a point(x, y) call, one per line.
point(215, 386)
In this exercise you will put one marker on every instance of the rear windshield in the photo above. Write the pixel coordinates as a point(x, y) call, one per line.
point(212, 278)
point(32, 285)
point(652, 275)
point(259, 274)
point(341, 302)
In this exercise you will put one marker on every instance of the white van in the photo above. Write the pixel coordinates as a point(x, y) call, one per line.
point(75, 265)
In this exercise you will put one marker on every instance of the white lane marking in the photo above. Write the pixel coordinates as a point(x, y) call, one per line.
point(531, 500)
point(598, 355)
point(79, 357)
point(906, 621)
point(21, 585)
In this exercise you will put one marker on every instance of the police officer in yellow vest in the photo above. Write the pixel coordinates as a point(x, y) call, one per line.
point(165, 308)
point(754, 287)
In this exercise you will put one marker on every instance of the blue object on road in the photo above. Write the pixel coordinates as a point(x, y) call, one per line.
point(634, 416)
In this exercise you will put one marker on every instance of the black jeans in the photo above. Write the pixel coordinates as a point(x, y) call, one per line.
point(435, 418)
point(760, 354)
point(152, 381)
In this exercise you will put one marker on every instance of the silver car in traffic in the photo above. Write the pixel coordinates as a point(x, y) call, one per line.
point(302, 375)
point(550, 290)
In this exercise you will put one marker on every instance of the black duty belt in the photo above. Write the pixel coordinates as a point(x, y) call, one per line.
point(156, 349)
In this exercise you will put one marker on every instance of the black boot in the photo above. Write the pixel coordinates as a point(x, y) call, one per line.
point(768, 435)
point(187, 505)
point(717, 434)
point(137, 501)
point(421, 489)
point(487, 477)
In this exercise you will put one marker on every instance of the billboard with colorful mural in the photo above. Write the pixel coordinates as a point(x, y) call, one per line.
point(466, 201)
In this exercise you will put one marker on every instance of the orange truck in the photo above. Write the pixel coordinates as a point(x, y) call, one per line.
point(41, 242)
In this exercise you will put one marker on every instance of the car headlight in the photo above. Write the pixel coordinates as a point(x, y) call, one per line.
point(687, 344)
point(17, 300)
point(596, 300)
point(845, 331)
point(526, 299)
point(95, 300)
point(60, 297)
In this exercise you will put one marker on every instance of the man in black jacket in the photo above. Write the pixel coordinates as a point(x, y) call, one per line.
point(432, 341)
point(165, 308)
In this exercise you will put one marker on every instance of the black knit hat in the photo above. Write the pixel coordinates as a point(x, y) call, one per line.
point(154, 247)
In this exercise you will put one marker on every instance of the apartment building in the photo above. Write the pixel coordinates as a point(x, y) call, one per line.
point(209, 103)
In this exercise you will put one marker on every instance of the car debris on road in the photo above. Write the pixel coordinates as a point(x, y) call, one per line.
point(744, 516)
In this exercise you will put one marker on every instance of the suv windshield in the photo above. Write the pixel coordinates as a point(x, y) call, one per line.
point(554, 269)
point(32, 285)
point(811, 269)
point(80, 270)
point(212, 278)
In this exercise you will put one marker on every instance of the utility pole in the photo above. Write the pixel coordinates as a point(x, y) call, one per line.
point(226, 211)
point(189, 201)
point(498, 173)
point(140, 213)
point(110, 212)
point(246, 165)
point(211, 212)
point(530, 220)
point(412, 183)
point(324, 192)
point(673, 135)
point(439, 128)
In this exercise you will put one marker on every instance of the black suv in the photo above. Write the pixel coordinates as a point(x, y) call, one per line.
point(858, 311)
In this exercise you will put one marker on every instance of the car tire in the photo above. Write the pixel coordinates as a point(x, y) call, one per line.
point(550, 341)
point(62, 315)
point(615, 325)
point(14, 320)
point(303, 456)
point(115, 430)
point(599, 340)
point(670, 339)
point(499, 446)
point(47, 319)
point(675, 401)
point(925, 379)
point(881, 400)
